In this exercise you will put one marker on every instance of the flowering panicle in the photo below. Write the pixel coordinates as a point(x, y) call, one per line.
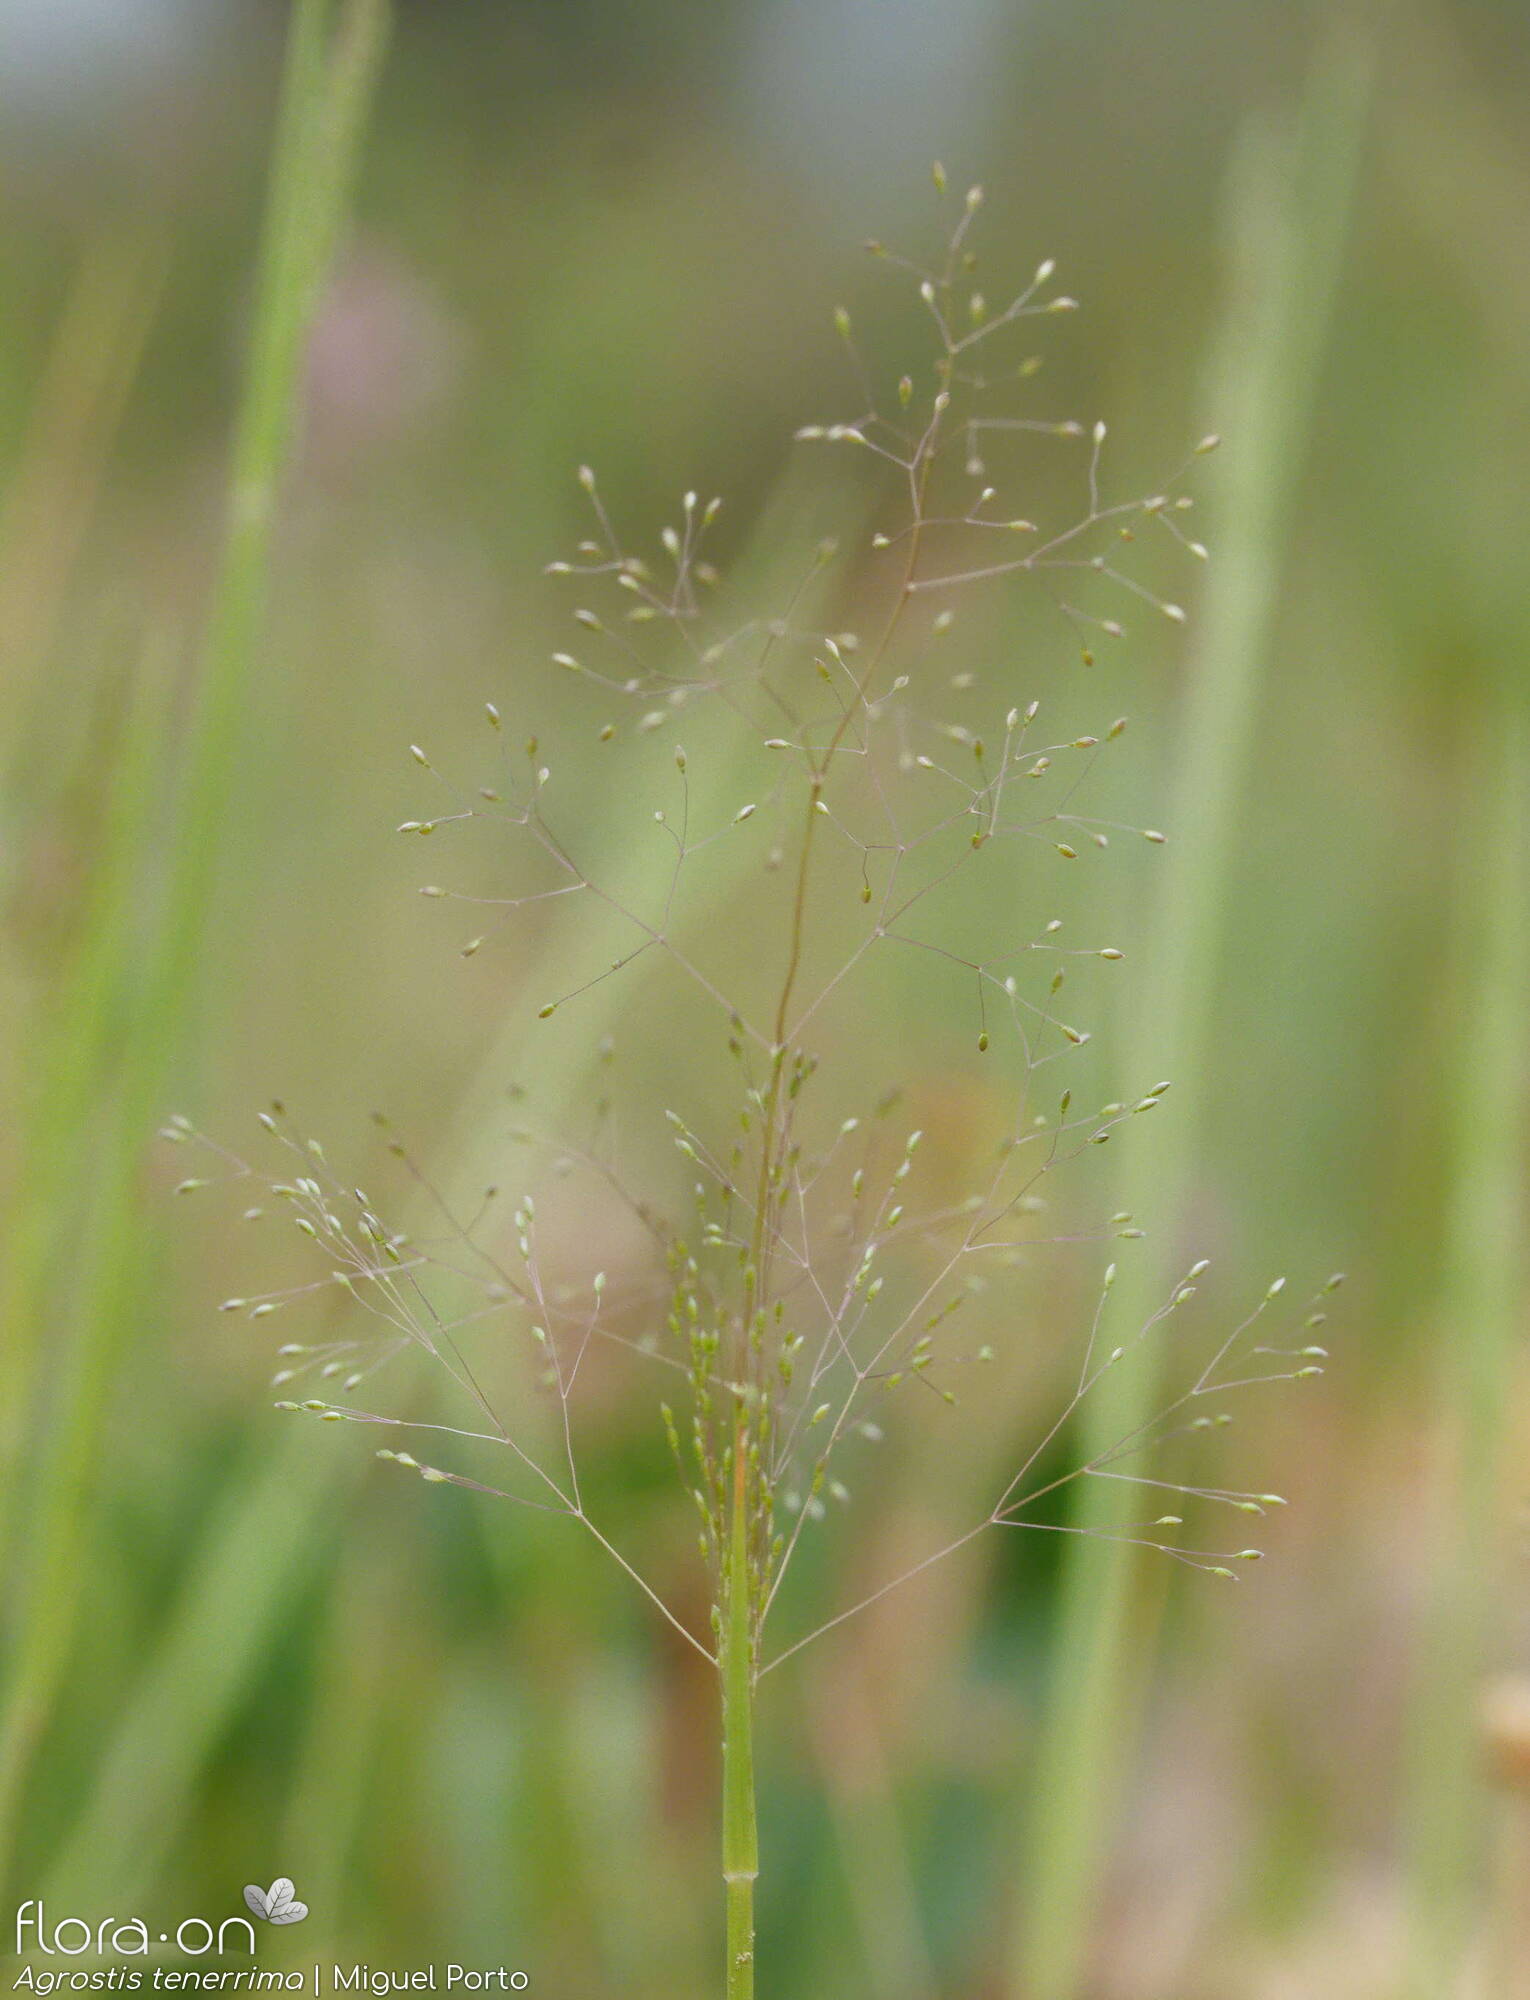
point(812, 782)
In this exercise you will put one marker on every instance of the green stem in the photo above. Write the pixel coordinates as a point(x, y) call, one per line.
point(740, 1839)
point(741, 1857)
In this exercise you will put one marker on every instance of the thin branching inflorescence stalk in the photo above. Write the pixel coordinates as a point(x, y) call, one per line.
point(815, 1278)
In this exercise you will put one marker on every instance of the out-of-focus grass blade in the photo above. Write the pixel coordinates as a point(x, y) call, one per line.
point(323, 1824)
point(90, 369)
point(1290, 198)
point(873, 1843)
point(1449, 155)
point(75, 1055)
point(70, 1064)
point(73, 420)
point(1482, 1318)
point(326, 86)
point(326, 92)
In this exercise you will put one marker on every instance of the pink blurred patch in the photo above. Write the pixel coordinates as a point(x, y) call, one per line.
point(384, 357)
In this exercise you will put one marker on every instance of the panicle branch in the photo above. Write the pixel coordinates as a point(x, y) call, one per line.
point(811, 1271)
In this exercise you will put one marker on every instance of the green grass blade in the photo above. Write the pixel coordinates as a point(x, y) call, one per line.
point(325, 95)
point(76, 412)
point(325, 89)
point(72, 424)
point(1486, 1264)
point(1290, 202)
point(75, 1058)
point(70, 1064)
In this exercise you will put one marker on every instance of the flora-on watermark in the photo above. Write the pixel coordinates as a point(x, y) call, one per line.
point(115, 1938)
point(130, 1937)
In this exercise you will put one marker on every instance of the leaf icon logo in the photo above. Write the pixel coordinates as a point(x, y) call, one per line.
point(276, 1904)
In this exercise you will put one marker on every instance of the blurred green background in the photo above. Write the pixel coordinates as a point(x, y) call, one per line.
point(615, 233)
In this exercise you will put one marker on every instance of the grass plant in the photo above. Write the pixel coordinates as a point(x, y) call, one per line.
point(231, 1647)
point(801, 1285)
